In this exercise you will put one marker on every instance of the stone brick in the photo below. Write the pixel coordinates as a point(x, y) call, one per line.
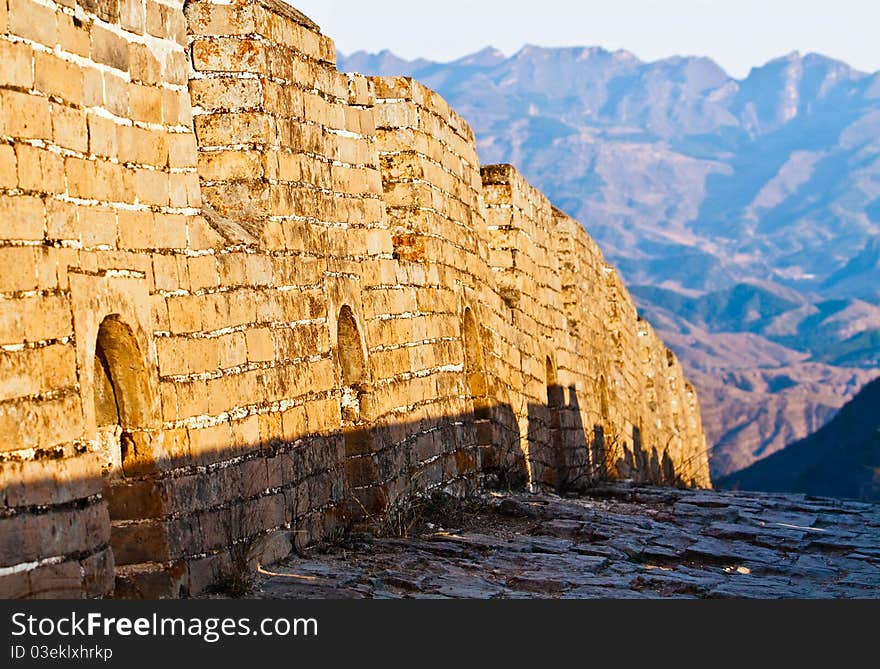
point(109, 49)
point(18, 64)
point(141, 146)
point(228, 55)
point(8, 171)
point(229, 165)
point(179, 192)
point(152, 186)
point(260, 346)
point(115, 94)
point(93, 88)
point(159, 19)
point(23, 217)
point(54, 581)
point(18, 270)
point(73, 35)
point(69, 128)
point(54, 76)
point(145, 103)
point(175, 68)
point(106, 10)
point(170, 231)
point(102, 136)
point(183, 314)
point(98, 226)
point(230, 94)
point(143, 65)
point(98, 574)
point(182, 150)
point(203, 272)
point(146, 541)
point(39, 169)
point(210, 19)
point(34, 371)
point(223, 129)
point(133, 15)
point(33, 21)
point(33, 318)
point(25, 116)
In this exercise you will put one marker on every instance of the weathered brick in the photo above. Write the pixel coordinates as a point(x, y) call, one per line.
point(109, 49)
point(106, 10)
point(228, 55)
point(133, 15)
point(141, 146)
point(260, 345)
point(223, 129)
point(182, 150)
point(145, 103)
point(39, 169)
point(143, 65)
point(73, 35)
point(115, 94)
point(203, 272)
point(152, 186)
point(231, 94)
point(93, 87)
point(18, 270)
point(54, 76)
point(25, 116)
point(32, 21)
point(97, 226)
point(69, 128)
point(8, 171)
point(210, 19)
point(23, 217)
point(18, 64)
point(229, 165)
point(175, 69)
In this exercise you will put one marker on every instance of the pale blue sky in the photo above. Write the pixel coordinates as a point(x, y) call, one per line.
point(736, 33)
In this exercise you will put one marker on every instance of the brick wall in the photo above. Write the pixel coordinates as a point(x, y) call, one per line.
point(246, 300)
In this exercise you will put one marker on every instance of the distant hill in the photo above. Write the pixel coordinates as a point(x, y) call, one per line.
point(744, 213)
point(842, 459)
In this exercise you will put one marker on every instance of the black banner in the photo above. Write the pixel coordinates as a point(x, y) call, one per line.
point(229, 632)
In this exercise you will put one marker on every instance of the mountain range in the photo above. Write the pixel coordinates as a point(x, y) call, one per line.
point(743, 213)
point(842, 459)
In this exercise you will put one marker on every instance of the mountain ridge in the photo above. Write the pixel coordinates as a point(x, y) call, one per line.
point(841, 459)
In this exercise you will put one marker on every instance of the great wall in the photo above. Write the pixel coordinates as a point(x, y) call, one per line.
point(246, 299)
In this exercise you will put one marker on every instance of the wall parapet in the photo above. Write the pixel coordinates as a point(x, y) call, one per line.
point(246, 299)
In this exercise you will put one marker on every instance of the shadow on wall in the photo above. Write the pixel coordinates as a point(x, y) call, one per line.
point(171, 527)
point(147, 513)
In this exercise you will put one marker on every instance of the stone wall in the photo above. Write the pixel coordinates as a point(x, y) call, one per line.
point(246, 300)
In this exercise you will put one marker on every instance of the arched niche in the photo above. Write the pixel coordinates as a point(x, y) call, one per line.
point(474, 365)
point(555, 401)
point(122, 403)
point(476, 382)
point(361, 472)
point(349, 349)
point(601, 456)
point(122, 395)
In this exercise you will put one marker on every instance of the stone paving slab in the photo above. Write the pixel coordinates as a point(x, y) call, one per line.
point(620, 541)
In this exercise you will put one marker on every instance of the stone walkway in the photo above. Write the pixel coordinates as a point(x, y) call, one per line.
point(620, 542)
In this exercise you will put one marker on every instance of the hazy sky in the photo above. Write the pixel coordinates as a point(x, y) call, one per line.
point(736, 33)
